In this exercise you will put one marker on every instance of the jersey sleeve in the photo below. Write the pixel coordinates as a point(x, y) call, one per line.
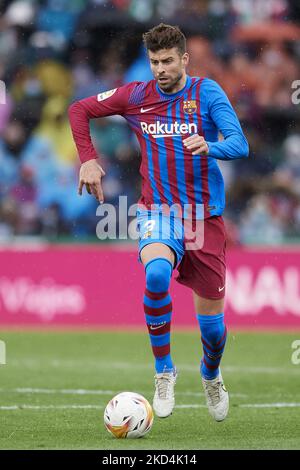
point(108, 103)
point(235, 144)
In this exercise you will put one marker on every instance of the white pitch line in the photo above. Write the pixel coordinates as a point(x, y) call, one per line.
point(271, 405)
point(101, 407)
point(50, 407)
point(98, 365)
point(63, 391)
point(49, 391)
point(260, 370)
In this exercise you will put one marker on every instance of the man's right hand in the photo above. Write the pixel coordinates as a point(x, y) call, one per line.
point(90, 175)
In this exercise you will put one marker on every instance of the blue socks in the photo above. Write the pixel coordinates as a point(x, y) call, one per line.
point(213, 337)
point(158, 311)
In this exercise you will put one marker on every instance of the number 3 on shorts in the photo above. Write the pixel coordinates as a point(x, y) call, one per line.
point(149, 225)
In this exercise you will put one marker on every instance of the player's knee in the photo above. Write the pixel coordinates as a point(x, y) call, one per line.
point(212, 328)
point(158, 274)
point(213, 334)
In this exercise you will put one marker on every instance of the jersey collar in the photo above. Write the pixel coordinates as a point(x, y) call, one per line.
point(178, 93)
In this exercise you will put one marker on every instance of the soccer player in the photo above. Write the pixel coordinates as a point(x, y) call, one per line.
point(177, 119)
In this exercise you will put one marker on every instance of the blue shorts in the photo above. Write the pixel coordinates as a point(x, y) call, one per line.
point(155, 227)
point(201, 262)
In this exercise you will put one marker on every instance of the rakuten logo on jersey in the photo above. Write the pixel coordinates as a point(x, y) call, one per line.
point(163, 129)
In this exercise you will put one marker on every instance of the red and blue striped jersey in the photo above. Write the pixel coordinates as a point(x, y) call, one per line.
point(170, 173)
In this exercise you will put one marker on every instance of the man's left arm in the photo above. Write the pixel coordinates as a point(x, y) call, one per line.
point(235, 144)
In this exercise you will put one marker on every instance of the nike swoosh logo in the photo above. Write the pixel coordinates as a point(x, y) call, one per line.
point(221, 288)
point(144, 110)
point(155, 327)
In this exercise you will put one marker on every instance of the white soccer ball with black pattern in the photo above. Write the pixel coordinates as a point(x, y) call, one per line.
point(128, 415)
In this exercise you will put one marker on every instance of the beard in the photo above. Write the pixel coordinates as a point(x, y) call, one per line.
point(169, 87)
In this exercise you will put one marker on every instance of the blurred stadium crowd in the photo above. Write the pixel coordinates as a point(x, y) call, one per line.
point(53, 52)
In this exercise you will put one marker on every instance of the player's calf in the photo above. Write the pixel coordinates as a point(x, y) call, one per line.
point(158, 312)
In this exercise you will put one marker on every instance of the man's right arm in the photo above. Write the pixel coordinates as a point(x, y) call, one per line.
point(104, 104)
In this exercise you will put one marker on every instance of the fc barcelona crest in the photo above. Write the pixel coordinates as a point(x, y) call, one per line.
point(190, 107)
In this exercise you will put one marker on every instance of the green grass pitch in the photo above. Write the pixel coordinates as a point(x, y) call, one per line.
point(55, 385)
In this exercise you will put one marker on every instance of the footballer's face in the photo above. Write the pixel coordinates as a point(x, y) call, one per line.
point(168, 67)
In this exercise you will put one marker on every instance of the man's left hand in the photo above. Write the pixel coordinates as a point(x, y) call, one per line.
point(197, 144)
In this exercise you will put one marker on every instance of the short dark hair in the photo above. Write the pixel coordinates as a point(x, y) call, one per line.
point(164, 36)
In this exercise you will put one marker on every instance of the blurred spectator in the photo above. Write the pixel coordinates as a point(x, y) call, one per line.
point(11, 146)
point(140, 69)
point(253, 11)
point(57, 51)
point(24, 193)
point(258, 225)
point(275, 69)
point(203, 61)
point(59, 18)
point(55, 128)
point(288, 172)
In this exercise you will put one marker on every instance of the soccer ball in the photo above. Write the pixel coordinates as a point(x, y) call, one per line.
point(128, 415)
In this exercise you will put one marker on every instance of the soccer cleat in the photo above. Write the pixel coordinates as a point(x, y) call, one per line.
point(217, 398)
point(164, 399)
